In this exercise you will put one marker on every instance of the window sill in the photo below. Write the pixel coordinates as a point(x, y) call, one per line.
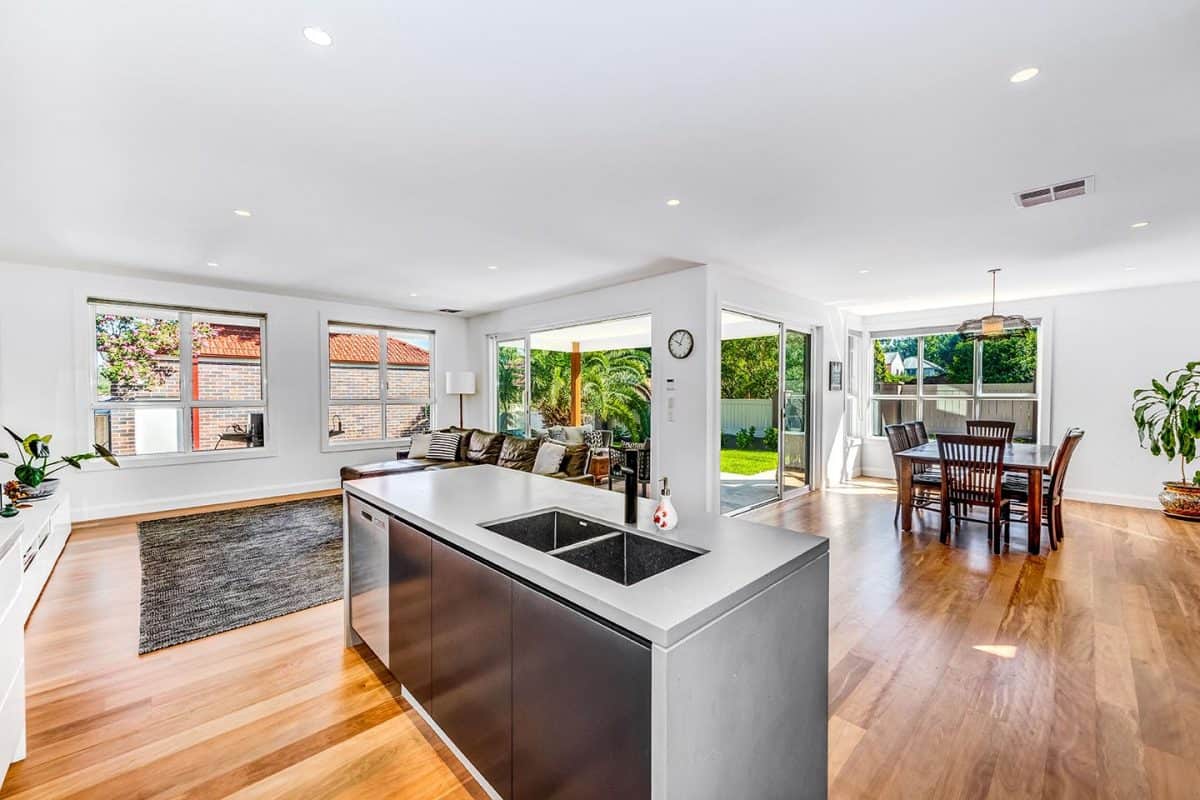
point(176, 459)
point(350, 447)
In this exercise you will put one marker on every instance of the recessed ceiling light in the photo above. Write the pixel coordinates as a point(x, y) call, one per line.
point(864, 271)
point(672, 202)
point(1142, 224)
point(1023, 75)
point(241, 212)
point(412, 294)
point(1131, 269)
point(213, 264)
point(318, 37)
point(492, 267)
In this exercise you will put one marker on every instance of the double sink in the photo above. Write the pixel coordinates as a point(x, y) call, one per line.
point(608, 550)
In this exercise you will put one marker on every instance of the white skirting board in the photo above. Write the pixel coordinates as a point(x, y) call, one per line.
point(150, 506)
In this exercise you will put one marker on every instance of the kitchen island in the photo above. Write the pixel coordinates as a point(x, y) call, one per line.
point(560, 653)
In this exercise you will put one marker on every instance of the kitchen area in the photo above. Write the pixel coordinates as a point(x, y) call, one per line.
point(561, 652)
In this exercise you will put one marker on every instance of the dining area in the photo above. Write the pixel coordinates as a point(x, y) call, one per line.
point(982, 476)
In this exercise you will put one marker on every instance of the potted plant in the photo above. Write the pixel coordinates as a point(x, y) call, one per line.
point(33, 473)
point(1168, 422)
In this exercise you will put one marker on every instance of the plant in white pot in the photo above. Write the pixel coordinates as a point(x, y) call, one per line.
point(33, 474)
point(1168, 422)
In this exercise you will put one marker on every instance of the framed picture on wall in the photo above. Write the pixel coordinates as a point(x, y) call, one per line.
point(835, 376)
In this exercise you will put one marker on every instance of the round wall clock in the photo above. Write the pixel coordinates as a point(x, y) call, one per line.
point(681, 343)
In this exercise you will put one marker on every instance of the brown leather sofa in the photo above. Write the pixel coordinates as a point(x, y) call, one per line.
point(480, 447)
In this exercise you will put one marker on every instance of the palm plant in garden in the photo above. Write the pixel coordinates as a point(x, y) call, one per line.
point(615, 386)
point(616, 389)
point(1167, 416)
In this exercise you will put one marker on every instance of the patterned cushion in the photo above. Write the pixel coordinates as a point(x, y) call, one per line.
point(464, 443)
point(594, 440)
point(444, 446)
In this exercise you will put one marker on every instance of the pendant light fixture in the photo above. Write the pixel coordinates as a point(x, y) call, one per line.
point(993, 326)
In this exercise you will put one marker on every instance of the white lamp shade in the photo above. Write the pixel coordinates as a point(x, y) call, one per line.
point(460, 383)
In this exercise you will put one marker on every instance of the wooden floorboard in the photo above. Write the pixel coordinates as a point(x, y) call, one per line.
point(953, 673)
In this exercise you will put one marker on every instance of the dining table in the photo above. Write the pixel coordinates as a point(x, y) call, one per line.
point(1032, 460)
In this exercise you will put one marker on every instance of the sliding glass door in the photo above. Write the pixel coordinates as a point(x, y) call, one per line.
point(750, 377)
point(766, 406)
point(797, 405)
point(511, 382)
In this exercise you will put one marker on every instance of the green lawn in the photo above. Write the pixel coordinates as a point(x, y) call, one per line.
point(748, 462)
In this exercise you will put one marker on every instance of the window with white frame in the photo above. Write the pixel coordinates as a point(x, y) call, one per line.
point(942, 379)
point(379, 384)
point(853, 378)
point(172, 380)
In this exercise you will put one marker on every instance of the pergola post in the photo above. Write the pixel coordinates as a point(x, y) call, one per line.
point(576, 384)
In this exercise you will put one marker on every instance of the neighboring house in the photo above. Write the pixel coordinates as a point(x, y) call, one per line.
point(893, 363)
point(227, 366)
point(931, 370)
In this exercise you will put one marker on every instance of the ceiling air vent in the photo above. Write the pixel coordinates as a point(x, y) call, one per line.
point(1059, 191)
point(450, 310)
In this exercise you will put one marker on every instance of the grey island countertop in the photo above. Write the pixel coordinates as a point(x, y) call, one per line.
point(743, 558)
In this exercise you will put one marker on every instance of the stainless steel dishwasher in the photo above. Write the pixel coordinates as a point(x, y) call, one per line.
point(369, 576)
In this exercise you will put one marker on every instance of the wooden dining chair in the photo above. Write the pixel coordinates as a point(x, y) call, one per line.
point(972, 477)
point(916, 433)
point(999, 428)
point(925, 486)
point(1016, 488)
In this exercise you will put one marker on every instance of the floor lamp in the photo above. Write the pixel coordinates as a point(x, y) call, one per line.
point(460, 383)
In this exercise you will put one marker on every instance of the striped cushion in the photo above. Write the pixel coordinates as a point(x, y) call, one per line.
point(444, 446)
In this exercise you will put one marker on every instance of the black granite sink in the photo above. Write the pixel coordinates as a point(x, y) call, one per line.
point(627, 557)
point(550, 530)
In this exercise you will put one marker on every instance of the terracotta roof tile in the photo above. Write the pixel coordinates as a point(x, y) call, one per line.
point(241, 341)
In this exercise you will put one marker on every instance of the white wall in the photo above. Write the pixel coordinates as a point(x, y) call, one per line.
point(41, 363)
point(1103, 345)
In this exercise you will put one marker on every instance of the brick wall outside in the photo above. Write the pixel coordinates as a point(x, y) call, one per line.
point(165, 389)
point(362, 422)
point(229, 380)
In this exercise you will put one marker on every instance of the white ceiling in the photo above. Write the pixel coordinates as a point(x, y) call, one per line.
point(611, 334)
point(806, 142)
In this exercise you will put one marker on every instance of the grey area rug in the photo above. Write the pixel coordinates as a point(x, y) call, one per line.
point(208, 573)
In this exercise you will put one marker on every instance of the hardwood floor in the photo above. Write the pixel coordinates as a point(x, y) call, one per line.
point(953, 673)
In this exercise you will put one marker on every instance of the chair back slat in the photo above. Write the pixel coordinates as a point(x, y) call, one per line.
point(922, 433)
point(1000, 428)
point(914, 431)
point(972, 468)
point(897, 440)
point(1062, 459)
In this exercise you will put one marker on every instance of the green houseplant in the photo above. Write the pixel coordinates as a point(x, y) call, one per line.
point(1167, 416)
point(36, 467)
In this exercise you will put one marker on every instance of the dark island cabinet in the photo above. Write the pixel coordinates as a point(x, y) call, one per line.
point(581, 705)
point(472, 661)
point(545, 701)
point(410, 577)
